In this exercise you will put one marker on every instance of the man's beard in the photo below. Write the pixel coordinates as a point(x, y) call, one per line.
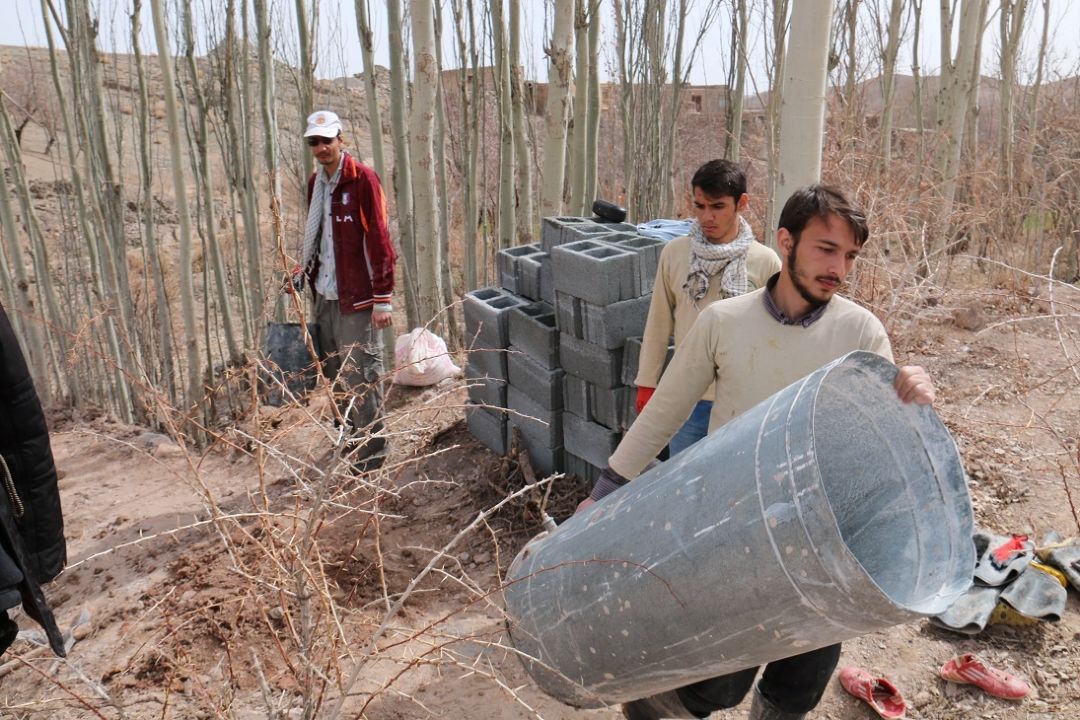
point(804, 291)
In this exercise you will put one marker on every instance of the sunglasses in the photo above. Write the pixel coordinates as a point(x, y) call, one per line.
point(316, 140)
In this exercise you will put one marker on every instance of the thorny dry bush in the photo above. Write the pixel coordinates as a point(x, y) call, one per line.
point(286, 599)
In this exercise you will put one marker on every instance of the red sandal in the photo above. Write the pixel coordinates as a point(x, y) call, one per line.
point(971, 669)
point(878, 692)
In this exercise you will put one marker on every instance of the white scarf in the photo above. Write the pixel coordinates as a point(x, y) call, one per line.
point(710, 259)
point(316, 208)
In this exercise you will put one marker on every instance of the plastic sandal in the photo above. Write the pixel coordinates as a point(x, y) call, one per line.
point(971, 669)
point(878, 692)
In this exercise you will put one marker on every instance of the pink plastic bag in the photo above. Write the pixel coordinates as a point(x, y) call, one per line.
point(421, 359)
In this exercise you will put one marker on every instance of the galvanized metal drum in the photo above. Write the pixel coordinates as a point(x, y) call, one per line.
point(828, 511)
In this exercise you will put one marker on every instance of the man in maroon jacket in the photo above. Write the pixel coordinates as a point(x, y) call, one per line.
point(349, 262)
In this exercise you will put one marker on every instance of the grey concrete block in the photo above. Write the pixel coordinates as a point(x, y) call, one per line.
point(583, 229)
point(541, 384)
point(609, 325)
point(533, 421)
point(487, 322)
point(623, 227)
point(596, 272)
point(568, 315)
point(576, 396)
point(646, 249)
point(544, 460)
point(590, 362)
point(490, 362)
point(582, 469)
point(555, 231)
point(530, 270)
point(551, 231)
point(632, 355)
point(484, 389)
point(533, 331)
point(547, 280)
point(487, 328)
point(589, 441)
point(488, 427)
point(508, 262)
point(612, 407)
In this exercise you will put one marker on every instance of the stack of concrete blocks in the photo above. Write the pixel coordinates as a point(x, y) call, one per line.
point(513, 369)
point(487, 330)
point(603, 278)
point(548, 345)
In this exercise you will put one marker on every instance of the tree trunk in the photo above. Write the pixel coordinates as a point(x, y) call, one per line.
point(469, 138)
point(773, 119)
point(916, 80)
point(1012, 13)
point(506, 225)
point(1036, 88)
point(403, 184)
point(367, 53)
point(523, 161)
point(560, 55)
point(592, 123)
point(888, 72)
point(957, 102)
point(204, 183)
point(305, 82)
point(271, 151)
point(576, 204)
point(421, 136)
point(187, 289)
point(736, 81)
point(802, 113)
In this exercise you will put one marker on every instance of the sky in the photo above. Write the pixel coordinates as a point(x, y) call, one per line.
point(339, 53)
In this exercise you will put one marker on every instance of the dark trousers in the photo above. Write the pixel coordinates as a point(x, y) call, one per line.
point(351, 354)
point(794, 684)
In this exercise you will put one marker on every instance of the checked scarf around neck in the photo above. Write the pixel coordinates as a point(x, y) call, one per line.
point(708, 260)
point(316, 208)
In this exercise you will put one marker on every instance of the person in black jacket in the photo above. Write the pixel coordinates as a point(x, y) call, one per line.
point(32, 547)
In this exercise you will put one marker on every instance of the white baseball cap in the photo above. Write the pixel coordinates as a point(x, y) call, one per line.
point(323, 123)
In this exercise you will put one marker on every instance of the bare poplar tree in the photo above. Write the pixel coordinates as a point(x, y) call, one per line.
point(802, 120)
point(576, 169)
point(592, 128)
point(653, 68)
point(1036, 88)
point(956, 101)
point(367, 53)
point(736, 83)
point(503, 93)
point(305, 84)
point(892, 32)
point(187, 289)
point(523, 161)
point(776, 40)
point(468, 93)
point(1012, 14)
point(422, 149)
point(403, 184)
point(560, 64)
point(916, 80)
point(197, 122)
point(165, 376)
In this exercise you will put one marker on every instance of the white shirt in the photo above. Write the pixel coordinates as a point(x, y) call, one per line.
point(326, 282)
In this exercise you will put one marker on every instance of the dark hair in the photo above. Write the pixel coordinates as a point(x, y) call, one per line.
point(820, 201)
point(720, 178)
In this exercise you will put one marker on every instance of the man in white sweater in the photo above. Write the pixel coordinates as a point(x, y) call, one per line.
point(750, 347)
point(719, 258)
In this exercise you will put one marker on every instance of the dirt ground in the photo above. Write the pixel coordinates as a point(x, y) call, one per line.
point(197, 575)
